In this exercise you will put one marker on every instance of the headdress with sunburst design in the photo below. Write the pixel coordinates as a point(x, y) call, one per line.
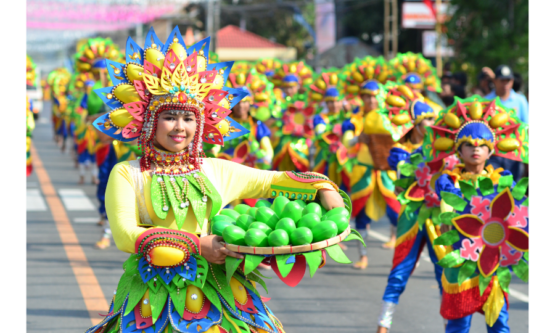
point(169, 76)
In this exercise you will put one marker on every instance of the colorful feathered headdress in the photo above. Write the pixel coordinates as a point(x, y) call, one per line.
point(415, 71)
point(168, 76)
point(478, 121)
point(93, 53)
point(31, 72)
point(326, 88)
point(405, 107)
point(296, 73)
point(363, 72)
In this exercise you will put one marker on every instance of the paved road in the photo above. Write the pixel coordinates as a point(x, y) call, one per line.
point(337, 299)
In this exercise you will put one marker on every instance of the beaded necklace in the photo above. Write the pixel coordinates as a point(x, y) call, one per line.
point(179, 185)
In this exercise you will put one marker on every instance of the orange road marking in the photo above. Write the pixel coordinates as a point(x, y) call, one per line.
point(90, 289)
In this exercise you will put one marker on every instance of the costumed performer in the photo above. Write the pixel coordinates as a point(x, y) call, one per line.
point(92, 58)
point(172, 100)
point(330, 154)
point(367, 143)
point(30, 122)
point(486, 210)
point(419, 202)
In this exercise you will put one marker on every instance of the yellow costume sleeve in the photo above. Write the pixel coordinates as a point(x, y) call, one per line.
point(266, 145)
point(237, 181)
point(121, 208)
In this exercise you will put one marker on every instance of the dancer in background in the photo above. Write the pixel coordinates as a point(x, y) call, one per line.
point(486, 210)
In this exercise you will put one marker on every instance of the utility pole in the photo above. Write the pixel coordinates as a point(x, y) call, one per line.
point(391, 35)
point(216, 24)
point(439, 62)
point(210, 23)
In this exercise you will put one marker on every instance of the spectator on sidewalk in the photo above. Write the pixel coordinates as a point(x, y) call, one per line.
point(504, 80)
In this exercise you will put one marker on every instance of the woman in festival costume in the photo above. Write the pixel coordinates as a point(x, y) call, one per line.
point(486, 210)
point(418, 73)
point(30, 121)
point(414, 227)
point(160, 206)
point(330, 156)
point(294, 78)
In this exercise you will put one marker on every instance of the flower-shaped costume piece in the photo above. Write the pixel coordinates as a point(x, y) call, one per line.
point(295, 136)
point(160, 206)
point(489, 211)
point(31, 75)
point(30, 122)
point(269, 67)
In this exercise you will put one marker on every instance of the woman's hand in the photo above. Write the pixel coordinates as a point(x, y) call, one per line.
point(213, 251)
point(330, 199)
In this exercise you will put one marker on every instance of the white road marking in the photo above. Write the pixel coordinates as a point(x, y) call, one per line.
point(378, 236)
point(76, 199)
point(513, 293)
point(44, 120)
point(35, 201)
point(518, 295)
point(86, 220)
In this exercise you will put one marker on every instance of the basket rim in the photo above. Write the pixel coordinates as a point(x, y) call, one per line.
point(288, 249)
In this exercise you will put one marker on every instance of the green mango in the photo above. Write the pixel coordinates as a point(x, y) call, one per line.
point(293, 211)
point(341, 221)
point(231, 213)
point(286, 224)
point(243, 221)
point(301, 236)
point(242, 208)
point(308, 221)
point(221, 218)
point(278, 237)
point(335, 211)
point(261, 226)
point(252, 211)
point(324, 230)
point(301, 203)
point(268, 216)
point(256, 237)
point(262, 203)
point(279, 204)
point(234, 235)
point(217, 228)
point(313, 208)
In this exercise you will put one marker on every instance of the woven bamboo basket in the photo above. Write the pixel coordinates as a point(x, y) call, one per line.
point(288, 249)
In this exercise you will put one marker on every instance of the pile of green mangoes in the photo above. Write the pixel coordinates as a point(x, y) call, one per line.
point(284, 222)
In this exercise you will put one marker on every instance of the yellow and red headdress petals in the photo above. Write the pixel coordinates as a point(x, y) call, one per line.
point(296, 73)
point(404, 107)
point(168, 77)
point(416, 71)
point(477, 121)
point(326, 88)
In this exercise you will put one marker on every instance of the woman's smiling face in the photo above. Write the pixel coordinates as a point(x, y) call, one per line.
point(175, 130)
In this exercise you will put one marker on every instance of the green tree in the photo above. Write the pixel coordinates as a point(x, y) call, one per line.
point(490, 33)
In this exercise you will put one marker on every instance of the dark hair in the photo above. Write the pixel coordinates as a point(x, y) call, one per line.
point(458, 90)
point(461, 77)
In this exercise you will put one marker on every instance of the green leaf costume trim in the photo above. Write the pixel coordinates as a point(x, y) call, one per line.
point(447, 238)
point(452, 259)
point(484, 283)
point(337, 254)
point(466, 271)
point(453, 200)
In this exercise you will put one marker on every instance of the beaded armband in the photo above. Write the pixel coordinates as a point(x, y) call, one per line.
point(301, 185)
point(149, 240)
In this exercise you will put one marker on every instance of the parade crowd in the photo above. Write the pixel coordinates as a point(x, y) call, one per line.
point(447, 170)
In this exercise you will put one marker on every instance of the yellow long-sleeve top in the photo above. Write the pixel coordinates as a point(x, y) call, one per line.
point(128, 202)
